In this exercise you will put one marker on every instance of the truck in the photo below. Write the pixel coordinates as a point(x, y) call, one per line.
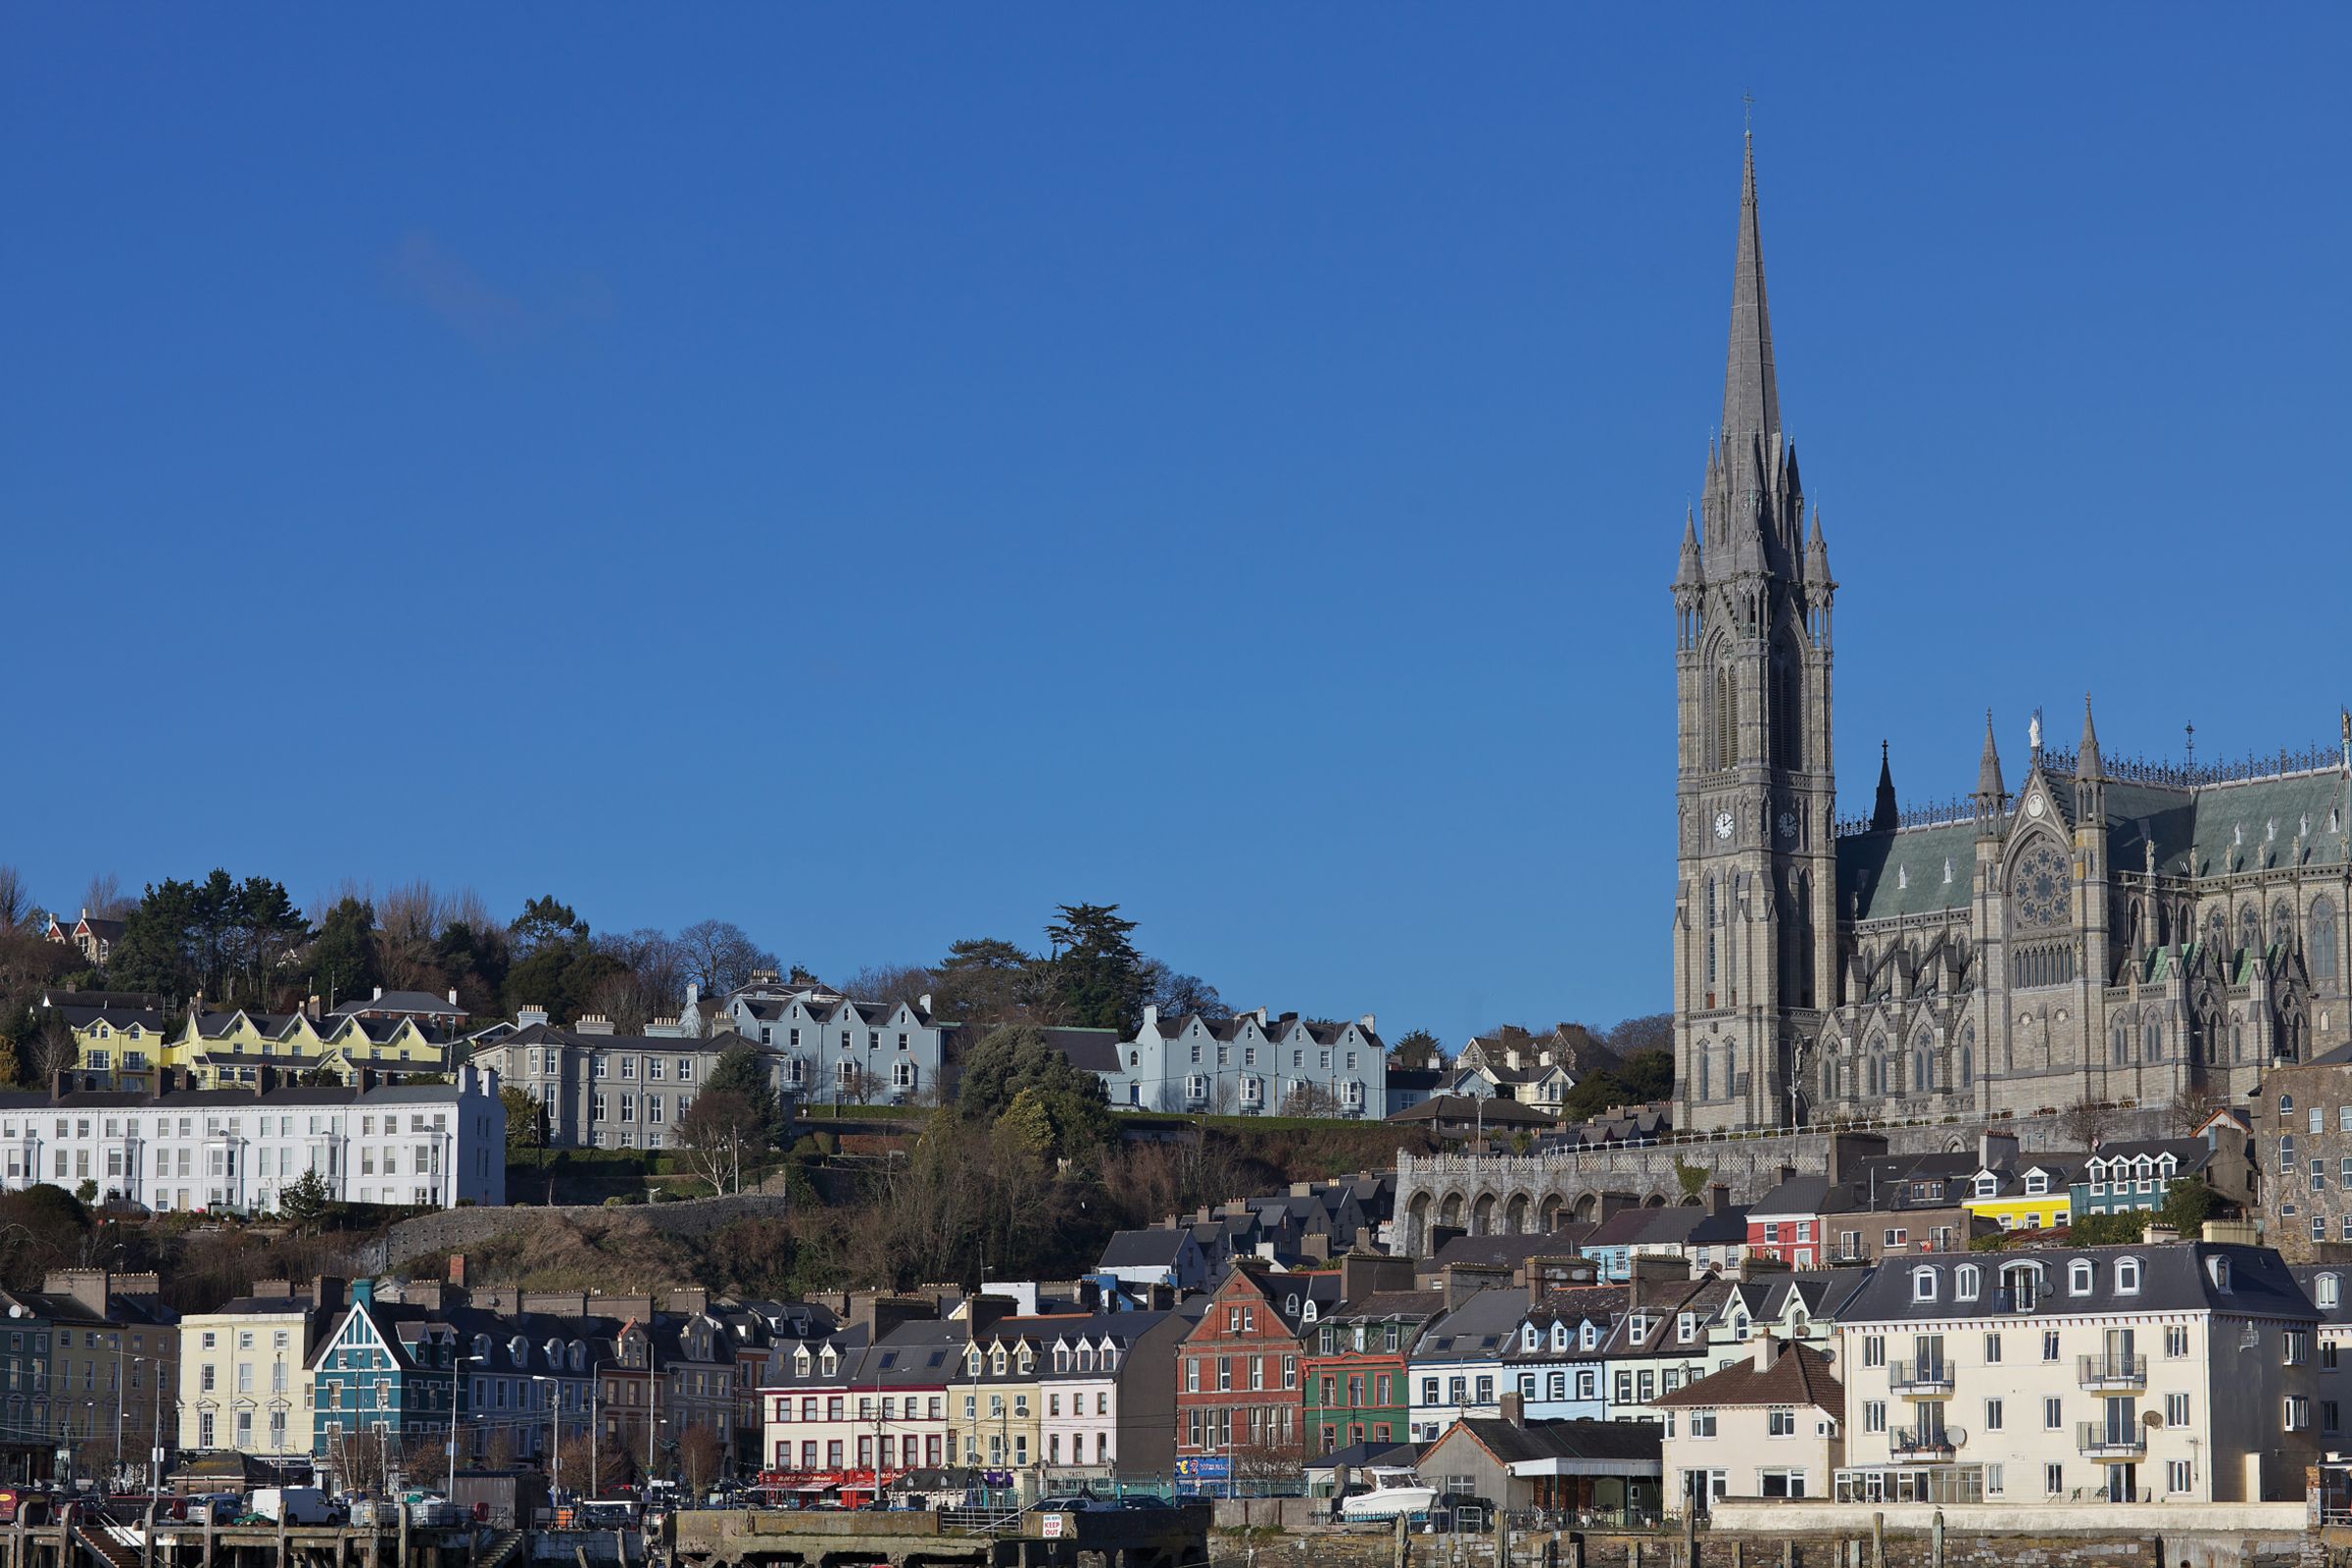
point(292, 1505)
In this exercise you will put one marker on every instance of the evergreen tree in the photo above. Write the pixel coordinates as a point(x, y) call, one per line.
point(742, 1070)
point(1099, 979)
point(343, 960)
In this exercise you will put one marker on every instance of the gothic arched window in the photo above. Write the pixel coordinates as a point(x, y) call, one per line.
point(1923, 1068)
point(1787, 707)
point(2217, 929)
point(1727, 720)
point(2322, 946)
point(1703, 1072)
point(2152, 1040)
point(1710, 930)
point(2119, 1045)
point(1964, 1075)
point(2249, 928)
point(2282, 924)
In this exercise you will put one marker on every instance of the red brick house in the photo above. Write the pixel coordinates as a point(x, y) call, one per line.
point(1238, 1395)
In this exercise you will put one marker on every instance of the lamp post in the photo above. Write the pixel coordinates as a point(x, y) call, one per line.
point(457, 1384)
point(554, 1451)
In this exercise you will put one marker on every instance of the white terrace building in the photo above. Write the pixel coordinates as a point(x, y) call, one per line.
point(2166, 1372)
point(1253, 1065)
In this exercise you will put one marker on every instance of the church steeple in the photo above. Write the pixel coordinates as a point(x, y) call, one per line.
point(1990, 793)
point(1751, 400)
point(1754, 506)
point(2087, 763)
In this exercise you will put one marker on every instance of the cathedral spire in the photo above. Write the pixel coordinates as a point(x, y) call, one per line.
point(1990, 790)
point(1686, 573)
point(1883, 813)
point(1751, 401)
point(2087, 765)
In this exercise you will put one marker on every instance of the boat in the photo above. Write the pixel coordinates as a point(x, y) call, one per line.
point(1395, 1491)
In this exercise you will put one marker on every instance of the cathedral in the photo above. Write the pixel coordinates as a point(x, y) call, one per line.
point(2117, 932)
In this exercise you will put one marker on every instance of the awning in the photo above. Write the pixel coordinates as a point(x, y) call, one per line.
point(1630, 1468)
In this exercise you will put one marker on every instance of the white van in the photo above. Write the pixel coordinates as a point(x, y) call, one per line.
point(293, 1505)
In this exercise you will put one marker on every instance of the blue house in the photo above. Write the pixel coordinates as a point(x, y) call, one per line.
point(384, 1380)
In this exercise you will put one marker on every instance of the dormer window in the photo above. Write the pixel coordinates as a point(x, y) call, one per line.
point(1987, 1186)
point(481, 1347)
point(800, 1362)
point(1110, 1359)
point(996, 1361)
point(2126, 1275)
point(971, 1362)
point(2329, 1290)
point(828, 1361)
point(1923, 1285)
point(1062, 1358)
point(518, 1351)
point(2078, 1277)
point(1308, 1313)
point(1530, 1337)
point(1964, 1283)
point(1686, 1327)
point(2216, 1267)
point(1559, 1336)
point(1587, 1337)
point(2038, 1184)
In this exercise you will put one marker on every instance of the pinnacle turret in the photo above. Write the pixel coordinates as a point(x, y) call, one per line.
point(2087, 765)
point(1885, 814)
point(1990, 790)
point(1688, 571)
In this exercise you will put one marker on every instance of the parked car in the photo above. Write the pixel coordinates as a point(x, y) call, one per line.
point(215, 1507)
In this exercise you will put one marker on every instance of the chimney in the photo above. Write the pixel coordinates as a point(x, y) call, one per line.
point(1439, 1235)
point(1262, 1017)
point(1658, 1280)
point(1514, 1409)
point(924, 1002)
point(1371, 1023)
point(1995, 1149)
point(456, 1269)
point(273, 1290)
point(1151, 1015)
point(1510, 1058)
point(2160, 1235)
point(1787, 1173)
point(453, 996)
point(592, 1023)
point(982, 1312)
point(380, 994)
point(312, 1008)
point(1362, 1273)
point(1719, 1199)
point(1766, 1349)
point(529, 1013)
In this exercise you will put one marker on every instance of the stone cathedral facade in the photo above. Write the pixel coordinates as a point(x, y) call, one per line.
point(2117, 932)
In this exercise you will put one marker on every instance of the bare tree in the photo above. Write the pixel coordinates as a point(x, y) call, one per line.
point(627, 999)
point(716, 1131)
point(16, 900)
point(701, 1457)
point(889, 982)
point(2187, 1109)
point(1310, 1099)
point(2086, 1122)
point(719, 956)
point(50, 1050)
point(104, 898)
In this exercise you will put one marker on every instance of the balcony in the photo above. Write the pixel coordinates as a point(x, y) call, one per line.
point(2118, 1443)
point(1916, 1443)
point(1920, 1380)
point(2113, 1374)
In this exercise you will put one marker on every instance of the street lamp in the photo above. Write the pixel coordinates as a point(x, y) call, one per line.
point(555, 1449)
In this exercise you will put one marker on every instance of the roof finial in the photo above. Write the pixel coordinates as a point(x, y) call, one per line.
point(1747, 102)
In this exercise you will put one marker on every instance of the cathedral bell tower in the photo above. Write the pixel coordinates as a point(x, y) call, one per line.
point(1756, 930)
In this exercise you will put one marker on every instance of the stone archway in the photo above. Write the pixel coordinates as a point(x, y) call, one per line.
point(1416, 1225)
point(1654, 1200)
point(1482, 1216)
point(1587, 1208)
point(1514, 1215)
point(1550, 1212)
point(1450, 1210)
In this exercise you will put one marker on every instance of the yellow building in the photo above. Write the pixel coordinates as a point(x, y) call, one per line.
point(245, 1377)
point(124, 1045)
point(225, 1050)
point(114, 1364)
point(2034, 1195)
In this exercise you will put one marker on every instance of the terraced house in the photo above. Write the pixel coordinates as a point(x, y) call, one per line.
point(231, 1049)
point(1253, 1065)
point(1238, 1399)
point(1357, 1382)
point(2162, 1372)
point(245, 1369)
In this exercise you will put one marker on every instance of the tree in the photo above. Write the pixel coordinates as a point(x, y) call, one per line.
point(16, 899)
point(719, 957)
point(701, 1457)
point(555, 965)
point(1311, 1099)
point(219, 938)
point(1096, 975)
point(1652, 1031)
point(544, 922)
point(104, 898)
point(741, 1068)
point(527, 1120)
point(2115, 1229)
point(2187, 1109)
point(2187, 1205)
point(719, 1130)
point(50, 1050)
point(1416, 1049)
point(343, 957)
point(889, 982)
point(12, 1075)
point(1181, 996)
point(305, 1200)
point(1010, 1060)
point(983, 981)
point(2086, 1122)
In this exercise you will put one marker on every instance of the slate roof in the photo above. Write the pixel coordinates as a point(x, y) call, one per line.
point(1514, 1444)
point(1145, 1249)
point(1480, 1329)
point(1379, 1306)
point(1497, 1251)
point(399, 1002)
point(1798, 1375)
point(2174, 1278)
point(1680, 1225)
point(1466, 1107)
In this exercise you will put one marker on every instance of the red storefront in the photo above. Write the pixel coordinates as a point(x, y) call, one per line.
point(1237, 1384)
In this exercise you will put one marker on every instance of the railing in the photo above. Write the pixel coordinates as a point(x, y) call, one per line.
point(979, 1521)
point(1925, 1442)
point(2096, 1439)
point(1917, 1378)
point(2101, 1373)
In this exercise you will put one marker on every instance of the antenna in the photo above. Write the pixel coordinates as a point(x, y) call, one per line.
point(2190, 731)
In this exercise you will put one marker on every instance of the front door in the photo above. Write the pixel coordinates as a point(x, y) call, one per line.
point(2123, 1483)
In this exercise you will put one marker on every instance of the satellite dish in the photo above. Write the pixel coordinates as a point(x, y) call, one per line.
point(14, 1310)
point(2153, 1420)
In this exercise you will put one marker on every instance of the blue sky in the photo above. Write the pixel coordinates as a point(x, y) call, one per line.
point(874, 472)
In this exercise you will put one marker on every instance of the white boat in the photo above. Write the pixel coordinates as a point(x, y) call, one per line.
point(1395, 1491)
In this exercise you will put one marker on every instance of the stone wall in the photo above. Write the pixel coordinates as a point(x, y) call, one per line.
point(456, 1229)
point(1853, 1548)
point(1516, 1193)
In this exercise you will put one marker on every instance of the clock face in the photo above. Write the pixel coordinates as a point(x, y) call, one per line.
point(2040, 886)
point(2033, 806)
point(1788, 824)
point(1723, 824)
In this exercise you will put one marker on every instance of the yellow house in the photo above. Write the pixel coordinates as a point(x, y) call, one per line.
point(124, 1045)
point(228, 1048)
point(2035, 1194)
